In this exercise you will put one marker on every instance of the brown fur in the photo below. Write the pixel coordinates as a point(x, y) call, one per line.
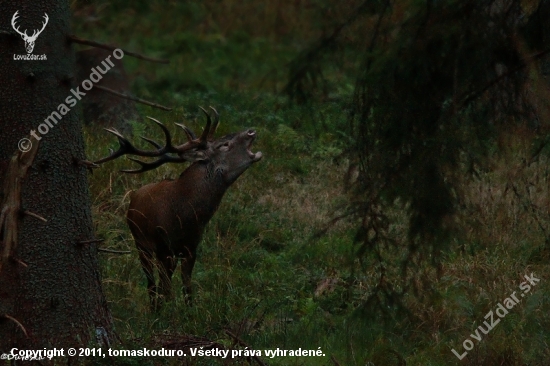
point(168, 218)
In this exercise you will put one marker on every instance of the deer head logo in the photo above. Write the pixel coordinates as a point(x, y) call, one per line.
point(29, 40)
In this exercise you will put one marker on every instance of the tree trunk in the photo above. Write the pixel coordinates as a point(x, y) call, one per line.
point(50, 285)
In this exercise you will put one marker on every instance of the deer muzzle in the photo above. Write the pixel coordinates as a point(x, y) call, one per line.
point(254, 156)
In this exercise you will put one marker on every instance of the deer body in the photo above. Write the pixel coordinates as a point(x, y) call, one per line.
point(167, 219)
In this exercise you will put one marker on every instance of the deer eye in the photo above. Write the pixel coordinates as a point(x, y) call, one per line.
point(225, 145)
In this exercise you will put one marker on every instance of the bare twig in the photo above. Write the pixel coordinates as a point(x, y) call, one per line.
point(334, 360)
point(90, 166)
point(18, 324)
point(536, 154)
point(529, 208)
point(87, 42)
point(135, 99)
point(92, 241)
point(402, 361)
point(468, 99)
point(19, 261)
point(105, 250)
point(87, 164)
point(243, 344)
point(36, 216)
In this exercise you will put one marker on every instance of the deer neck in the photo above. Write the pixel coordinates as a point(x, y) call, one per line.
point(203, 187)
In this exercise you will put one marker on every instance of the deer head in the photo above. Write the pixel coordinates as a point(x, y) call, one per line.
point(29, 40)
point(229, 155)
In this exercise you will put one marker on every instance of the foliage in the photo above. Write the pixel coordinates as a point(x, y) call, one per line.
point(439, 85)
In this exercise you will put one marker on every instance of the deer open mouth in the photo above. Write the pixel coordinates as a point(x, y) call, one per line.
point(254, 156)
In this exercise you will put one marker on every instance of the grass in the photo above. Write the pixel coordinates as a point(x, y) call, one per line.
point(260, 271)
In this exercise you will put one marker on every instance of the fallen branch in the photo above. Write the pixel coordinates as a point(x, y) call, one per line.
point(18, 324)
point(135, 99)
point(10, 214)
point(87, 42)
point(243, 344)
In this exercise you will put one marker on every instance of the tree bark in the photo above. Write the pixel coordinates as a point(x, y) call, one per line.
point(50, 285)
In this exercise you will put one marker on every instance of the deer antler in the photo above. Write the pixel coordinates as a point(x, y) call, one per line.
point(36, 33)
point(216, 124)
point(13, 19)
point(186, 152)
point(145, 166)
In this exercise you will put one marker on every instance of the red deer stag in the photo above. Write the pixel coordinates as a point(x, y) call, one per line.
point(167, 219)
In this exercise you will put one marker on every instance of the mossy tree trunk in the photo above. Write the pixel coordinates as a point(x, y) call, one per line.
point(50, 288)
